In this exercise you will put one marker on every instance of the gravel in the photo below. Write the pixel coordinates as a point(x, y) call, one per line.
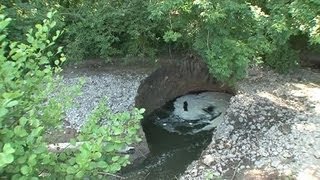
point(272, 125)
point(271, 129)
point(119, 85)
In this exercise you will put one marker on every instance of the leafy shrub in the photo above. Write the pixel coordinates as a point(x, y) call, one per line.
point(26, 14)
point(229, 34)
point(27, 112)
point(283, 59)
point(110, 28)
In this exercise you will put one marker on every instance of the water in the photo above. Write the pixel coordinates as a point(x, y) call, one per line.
point(175, 142)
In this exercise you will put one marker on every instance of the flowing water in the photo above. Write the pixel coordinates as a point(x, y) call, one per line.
point(176, 138)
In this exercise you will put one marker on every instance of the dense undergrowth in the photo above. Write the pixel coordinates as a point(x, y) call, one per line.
point(28, 111)
point(228, 35)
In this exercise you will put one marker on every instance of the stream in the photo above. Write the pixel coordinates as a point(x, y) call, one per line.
point(177, 133)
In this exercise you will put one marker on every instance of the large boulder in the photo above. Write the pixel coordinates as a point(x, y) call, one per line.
point(175, 79)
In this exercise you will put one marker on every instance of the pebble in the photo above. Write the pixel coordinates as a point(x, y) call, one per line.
point(120, 88)
point(275, 163)
point(208, 160)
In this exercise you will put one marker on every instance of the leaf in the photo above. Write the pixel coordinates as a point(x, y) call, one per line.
point(4, 24)
point(21, 160)
point(39, 26)
point(43, 60)
point(117, 131)
point(102, 164)
point(115, 167)
point(71, 170)
point(23, 121)
point(109, 148)
point(56, 62)
point(30, 39)
point(69, 177)
point(3, 36)
point(19, 131)
point(5, 159)
point(115, 158)
point(3, 111)
point(7, 149)
point(171, 36)
point(32, 160)
point(49, 15)
point(142, 110)
point(25, 170)
point(12, 103)
point(125, 116)
point(53, 24)
point(80, 174)
point(97, 155)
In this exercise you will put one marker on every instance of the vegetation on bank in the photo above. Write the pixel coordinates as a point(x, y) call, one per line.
point(228, 35)
point(28, 111)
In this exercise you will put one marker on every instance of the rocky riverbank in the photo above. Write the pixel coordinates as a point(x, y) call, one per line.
point(271, 130)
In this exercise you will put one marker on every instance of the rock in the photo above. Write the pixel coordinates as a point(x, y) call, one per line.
point(259, 164)
point(275, 163)
point(208, 160)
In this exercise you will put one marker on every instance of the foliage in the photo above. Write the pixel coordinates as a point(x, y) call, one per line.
point(229, 34)
point(26, 14)
point(110, 28)
point(283, 58)
point(100, 152)
point(28, 111)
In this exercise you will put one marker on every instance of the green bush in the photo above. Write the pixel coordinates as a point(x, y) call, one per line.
point(26, 14)
point(110, 28)
point(230, 34)
point(28, 111)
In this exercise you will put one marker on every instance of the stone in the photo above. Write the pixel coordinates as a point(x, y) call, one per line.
point(275, 163)
point(259, 164)
point(208, 160)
